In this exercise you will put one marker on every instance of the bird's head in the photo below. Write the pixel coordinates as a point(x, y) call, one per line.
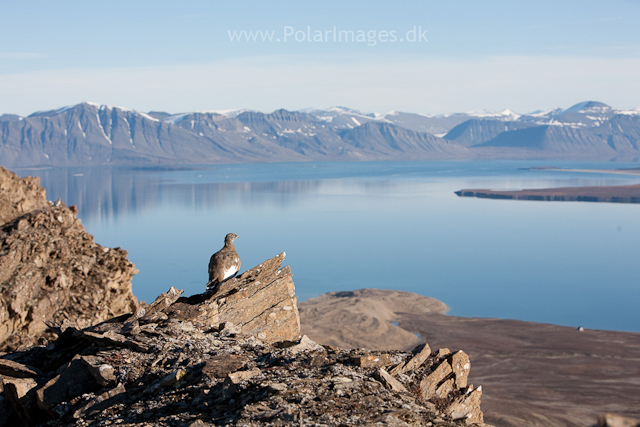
point(230, 238)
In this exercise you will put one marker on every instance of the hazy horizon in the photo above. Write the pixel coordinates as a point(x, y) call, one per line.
point(425, 57)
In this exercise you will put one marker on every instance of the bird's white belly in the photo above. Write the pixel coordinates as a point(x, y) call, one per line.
point(228, 272)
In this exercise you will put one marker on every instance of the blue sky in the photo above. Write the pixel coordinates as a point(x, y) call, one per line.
point(178, 56)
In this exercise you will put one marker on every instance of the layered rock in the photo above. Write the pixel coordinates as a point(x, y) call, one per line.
point(19, 195)
point(260, 302)
point(51, 270)
point(182, 361)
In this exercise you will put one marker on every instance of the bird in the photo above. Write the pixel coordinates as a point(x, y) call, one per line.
point(225, 263)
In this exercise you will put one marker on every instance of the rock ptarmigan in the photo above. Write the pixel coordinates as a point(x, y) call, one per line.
point(225, 263)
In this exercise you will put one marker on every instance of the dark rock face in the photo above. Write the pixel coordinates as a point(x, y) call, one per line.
point(478, 131)
point(169, 365)
point(51, 270)
point(387, 141)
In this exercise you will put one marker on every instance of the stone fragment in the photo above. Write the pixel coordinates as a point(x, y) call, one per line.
point(112, 338)
point(277, 387)
point(442, 352)
point(421, 353)
point(101, 402)
point(467, 407)
point(371, 360)
point(156, 317)
point(173, 378)
point(103, 373)
point(130, 328)
point(229, 330)
point(239, 376)
point(20, 386)
point(220, 365)
point(445, 388)
point(390, 382)
point(461, 367)
point(614, 420)
point(18, 370)
point(20, 394)
point(162, 302)
point(429, 384)
point(169, 380)
point(232, 381)
point(74, 380)
point(305, 344)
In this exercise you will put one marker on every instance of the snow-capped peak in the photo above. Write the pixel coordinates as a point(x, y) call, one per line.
point(589, 107)
point(503, 115)
point(549, 112)
point(510, 114)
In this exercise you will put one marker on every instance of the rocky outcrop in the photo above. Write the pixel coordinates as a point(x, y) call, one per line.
point(260, 302)
point(19, 195)
point(51, 270)
point(229, 357)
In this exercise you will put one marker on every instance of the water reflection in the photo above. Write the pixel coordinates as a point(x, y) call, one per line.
point(106, 193)
point(390, 225)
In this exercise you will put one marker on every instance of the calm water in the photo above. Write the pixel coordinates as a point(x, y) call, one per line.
point(381, 225)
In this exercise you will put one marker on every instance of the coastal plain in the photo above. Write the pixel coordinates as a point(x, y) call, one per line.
point(533, 374)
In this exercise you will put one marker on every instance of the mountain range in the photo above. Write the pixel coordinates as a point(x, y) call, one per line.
point(93, 134)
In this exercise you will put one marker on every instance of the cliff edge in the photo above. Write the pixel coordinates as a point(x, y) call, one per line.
point(184, 362)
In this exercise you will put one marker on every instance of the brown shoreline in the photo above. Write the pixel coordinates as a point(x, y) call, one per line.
point(597, 194)
point(628, 171)
point(532, 374)
point(602, 194)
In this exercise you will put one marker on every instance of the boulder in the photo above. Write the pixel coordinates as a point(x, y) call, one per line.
point(387, 379)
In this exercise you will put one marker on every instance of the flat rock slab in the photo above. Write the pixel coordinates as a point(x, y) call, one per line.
point(17, 370)
point(261, 302)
